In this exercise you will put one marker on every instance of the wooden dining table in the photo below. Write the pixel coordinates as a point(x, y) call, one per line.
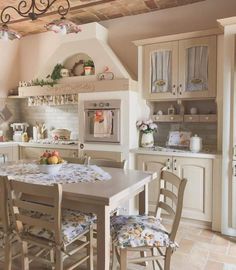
point(101, 197)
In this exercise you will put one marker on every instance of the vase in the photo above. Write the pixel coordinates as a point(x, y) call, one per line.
point(147, 140)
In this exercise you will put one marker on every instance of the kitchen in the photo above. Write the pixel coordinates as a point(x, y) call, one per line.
point(121, 54)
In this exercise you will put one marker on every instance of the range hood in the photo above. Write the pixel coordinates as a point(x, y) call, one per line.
point(92, 41)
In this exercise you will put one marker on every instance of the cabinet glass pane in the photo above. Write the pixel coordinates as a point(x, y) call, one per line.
point(161, 71)
point(197, 69)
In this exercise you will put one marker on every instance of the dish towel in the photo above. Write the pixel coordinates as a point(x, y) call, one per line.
point(102, 123)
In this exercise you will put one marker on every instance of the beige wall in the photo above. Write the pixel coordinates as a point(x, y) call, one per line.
point(9, 66)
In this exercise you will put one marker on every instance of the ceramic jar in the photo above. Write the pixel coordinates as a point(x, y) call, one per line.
point(195, 144)
point(147, 139)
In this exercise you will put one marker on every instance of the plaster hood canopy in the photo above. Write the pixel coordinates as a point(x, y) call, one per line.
point(93, 42)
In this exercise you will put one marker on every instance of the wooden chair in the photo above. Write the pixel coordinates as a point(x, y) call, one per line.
point(107, 163)
point(5, 228)
point(46, 226)
point(171, 201)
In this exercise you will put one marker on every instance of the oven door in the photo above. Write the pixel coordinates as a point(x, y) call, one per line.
point(91, 130)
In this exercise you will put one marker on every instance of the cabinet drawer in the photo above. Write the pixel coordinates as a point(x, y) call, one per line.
point(208, 118)
point(36, 152)
point(167, 118)
point(191, 118)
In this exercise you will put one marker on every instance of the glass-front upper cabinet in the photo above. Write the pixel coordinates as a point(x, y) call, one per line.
point(197, 68)
point(180, 69)
point(160, 70)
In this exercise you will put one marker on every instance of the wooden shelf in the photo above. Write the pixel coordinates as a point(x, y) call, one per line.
point(75, 86)
point(187, 118)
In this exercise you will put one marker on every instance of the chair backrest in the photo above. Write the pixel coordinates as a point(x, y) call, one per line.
point(108, 163)
point(171, 199)
point(78, 160)
point(4, 209)
point(25, 197)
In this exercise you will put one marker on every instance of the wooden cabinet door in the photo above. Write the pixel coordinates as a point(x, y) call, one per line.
point(198, 193)
point(154, 164)
point(6, 154)
point(160, 71)
point(197, 68)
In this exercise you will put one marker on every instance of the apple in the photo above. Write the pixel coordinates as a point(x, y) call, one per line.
point(55, 153)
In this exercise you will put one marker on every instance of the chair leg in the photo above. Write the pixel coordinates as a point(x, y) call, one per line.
point(52, 257)
point(24, 258)
point(7, 254)
point(59, 259)
point(167, 259)
point(90, 249)
point(154, 263)
point(114, 258)
point(123, 259)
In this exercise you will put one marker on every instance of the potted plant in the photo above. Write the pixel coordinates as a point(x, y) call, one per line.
point(88, 67)
point(147, 128)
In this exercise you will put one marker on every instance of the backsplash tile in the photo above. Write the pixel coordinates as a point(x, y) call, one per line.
point(207, 131)
point(64, 116)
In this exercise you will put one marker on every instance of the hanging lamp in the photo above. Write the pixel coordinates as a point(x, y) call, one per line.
point(33, 10)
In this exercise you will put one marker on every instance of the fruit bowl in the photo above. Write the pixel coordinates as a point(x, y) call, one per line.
point(50, 168)
point(50, 162)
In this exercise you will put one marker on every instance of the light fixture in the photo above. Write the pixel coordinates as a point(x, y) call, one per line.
point(33, 9)
point(8, 34)
point(63, 26)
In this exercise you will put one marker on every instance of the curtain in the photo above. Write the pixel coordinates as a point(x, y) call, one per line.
point(161, 71)
point(197, 68)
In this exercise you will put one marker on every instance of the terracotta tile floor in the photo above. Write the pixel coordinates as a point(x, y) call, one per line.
point(200, 249)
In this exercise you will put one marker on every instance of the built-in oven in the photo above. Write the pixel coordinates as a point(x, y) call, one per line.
point(102, 121)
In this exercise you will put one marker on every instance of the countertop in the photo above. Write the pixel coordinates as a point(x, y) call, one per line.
point(160, 151)
point(5, 144)
point(39, 145)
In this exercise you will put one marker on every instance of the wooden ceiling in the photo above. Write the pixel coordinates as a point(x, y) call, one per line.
point(85, 11)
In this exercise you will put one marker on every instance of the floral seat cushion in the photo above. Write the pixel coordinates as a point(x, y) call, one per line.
point(139, 231)
point(74, 223)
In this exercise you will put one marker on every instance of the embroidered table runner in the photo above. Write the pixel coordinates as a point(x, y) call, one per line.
point(69, 173)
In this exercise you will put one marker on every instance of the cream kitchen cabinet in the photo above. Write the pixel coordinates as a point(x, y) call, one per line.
point(198, 171)
point(30, 152)
point(180, 69)
point(8, 153)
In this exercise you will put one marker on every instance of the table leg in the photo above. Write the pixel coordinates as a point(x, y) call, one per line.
point(143, 201)
point(143, 209)
point(103, 238)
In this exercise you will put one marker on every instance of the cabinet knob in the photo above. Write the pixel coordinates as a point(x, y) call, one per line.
point(172, 118)
point(206, 117)
point(190, 118)
point(174, 90)
point(180, 89)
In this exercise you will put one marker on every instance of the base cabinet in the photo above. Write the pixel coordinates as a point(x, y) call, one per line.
point(198, 193)
point(9, 153)
point(36, 152)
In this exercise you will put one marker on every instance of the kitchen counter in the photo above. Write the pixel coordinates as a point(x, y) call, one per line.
point(174, 152)
point(39, 145)
point(5, 144)
point(44, 145)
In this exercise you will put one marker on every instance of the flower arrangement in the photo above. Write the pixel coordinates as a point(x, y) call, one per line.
point(146, 126)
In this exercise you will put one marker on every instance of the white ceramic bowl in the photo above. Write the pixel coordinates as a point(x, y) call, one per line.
point(50, 169)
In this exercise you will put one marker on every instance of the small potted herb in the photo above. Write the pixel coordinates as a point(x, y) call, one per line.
point(88, 67)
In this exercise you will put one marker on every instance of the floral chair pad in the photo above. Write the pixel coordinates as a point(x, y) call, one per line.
point(139, 231)
point(74, 223)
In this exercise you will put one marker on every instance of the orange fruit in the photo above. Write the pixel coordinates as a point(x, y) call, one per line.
point(53, 160)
